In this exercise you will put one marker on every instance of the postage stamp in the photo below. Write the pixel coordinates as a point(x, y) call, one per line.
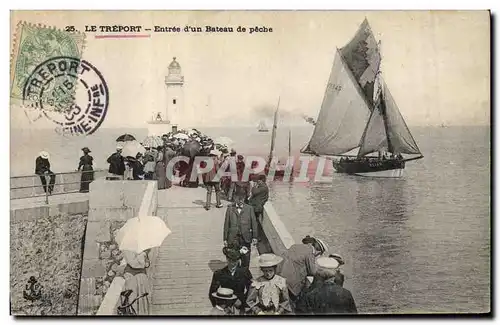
point(69, 91)
point(34, 44)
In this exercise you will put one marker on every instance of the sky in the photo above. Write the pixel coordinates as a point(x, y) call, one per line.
point(436, 64)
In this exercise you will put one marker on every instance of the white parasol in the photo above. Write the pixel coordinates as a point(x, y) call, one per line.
point(141, 233)
point(152, 142)
point(132, 148)
point(225, 141)
point(181, 136)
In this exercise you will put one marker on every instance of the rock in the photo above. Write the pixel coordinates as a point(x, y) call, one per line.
point(112, 247)
point(114, 252)
point(106, 254)
point(120, 270)
point(107, 284)
point(111, 273)
point(114, 267)
point(104, 290)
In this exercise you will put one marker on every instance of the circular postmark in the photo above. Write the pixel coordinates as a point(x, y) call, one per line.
point(69, 91)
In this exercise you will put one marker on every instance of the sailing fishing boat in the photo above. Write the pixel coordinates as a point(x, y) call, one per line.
point(262, 126)
point(359, 114)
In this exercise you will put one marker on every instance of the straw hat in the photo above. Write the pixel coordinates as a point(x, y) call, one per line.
point(322, 245)
point(327, 263)
point(266, 260)
point(224, 293)
point(44, 154)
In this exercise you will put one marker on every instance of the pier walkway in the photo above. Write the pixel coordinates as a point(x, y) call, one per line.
point(188, 257)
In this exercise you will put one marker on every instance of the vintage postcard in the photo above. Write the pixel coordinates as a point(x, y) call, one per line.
point(212, 163)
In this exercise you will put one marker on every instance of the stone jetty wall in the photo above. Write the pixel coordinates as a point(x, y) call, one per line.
point(111, 204)
point(276, 236)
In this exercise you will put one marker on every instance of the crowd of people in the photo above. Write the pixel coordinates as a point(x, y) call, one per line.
point(282, 289)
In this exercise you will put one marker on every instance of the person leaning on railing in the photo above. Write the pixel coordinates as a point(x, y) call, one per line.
point(42, 169)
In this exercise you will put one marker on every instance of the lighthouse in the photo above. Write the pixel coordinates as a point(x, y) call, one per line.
point(164, 120)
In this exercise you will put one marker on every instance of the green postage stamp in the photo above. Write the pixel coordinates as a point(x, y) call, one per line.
point(34, 44)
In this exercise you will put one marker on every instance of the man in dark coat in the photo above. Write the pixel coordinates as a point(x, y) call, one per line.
point(259, 196)
point(117, 163)
point(240, 228)
point(42, 169)
point(233, 276)
point(329, 297)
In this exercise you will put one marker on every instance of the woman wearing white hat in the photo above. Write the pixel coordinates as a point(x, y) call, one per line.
point(268, 295)
point(42, 169)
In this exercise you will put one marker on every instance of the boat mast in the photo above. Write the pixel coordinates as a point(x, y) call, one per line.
point(273, 136)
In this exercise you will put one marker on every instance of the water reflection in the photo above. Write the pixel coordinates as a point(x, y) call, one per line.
point(381, 259)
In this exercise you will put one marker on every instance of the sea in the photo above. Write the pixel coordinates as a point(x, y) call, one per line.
point(419, 244)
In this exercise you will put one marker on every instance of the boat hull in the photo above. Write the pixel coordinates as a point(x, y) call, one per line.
point(371, 168)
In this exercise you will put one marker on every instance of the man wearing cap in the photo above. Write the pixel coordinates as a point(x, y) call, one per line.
point(298, 264)
point(329, 297)
point(240, 228)
point(232, 276)
point(117, 163)
point(42, 169)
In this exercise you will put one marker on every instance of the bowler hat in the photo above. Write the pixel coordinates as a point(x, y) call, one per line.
point(231, 253)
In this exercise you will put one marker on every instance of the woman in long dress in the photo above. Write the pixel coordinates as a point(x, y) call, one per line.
point(136, 279)
point(86, 162)
point(160, 173)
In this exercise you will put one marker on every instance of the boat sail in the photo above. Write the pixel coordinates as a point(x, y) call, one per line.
point(279, 169)
point(262, 126)
point(359, 113)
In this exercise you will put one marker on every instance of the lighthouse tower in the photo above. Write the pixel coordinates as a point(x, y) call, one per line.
point(167, 119)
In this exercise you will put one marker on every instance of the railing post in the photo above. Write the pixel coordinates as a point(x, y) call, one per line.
point(46, 190)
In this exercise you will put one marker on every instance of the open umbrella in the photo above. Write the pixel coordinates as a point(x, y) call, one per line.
point(152, 142)
point(225, 141)
point(125, 137)
point(132, 148)
point(191, 149)
point(141, 233)
point(181, 136)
